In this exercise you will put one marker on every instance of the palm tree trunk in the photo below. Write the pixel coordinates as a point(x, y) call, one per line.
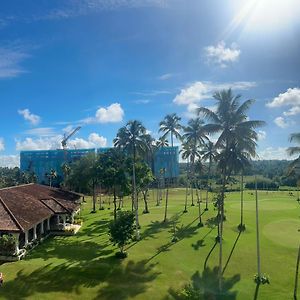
point(94, 196)
point(296, 276)
point(199, 198)
point(257, 231)
point(166, 206)
point(135, 197)
point(242, 226)
point(100, 197)
point(115, 204)
point(208, 182)
point(221, 230)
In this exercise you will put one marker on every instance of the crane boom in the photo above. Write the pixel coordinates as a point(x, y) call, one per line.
point(66, 137)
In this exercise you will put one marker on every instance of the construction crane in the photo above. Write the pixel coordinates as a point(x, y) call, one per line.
point(67, 136)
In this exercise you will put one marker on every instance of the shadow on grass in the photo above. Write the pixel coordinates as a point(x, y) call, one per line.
point(231, 252)
point(205, 287)
point(200, 243)
point(128, 282)
point(181, 233)
point(256, 292)
point(120, 282)
point(157, 226)
point(71, 251)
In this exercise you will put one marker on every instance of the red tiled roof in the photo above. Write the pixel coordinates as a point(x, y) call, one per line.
point(24, 206)
point(7, 222)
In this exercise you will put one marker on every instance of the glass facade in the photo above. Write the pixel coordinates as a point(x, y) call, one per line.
point(42, 162)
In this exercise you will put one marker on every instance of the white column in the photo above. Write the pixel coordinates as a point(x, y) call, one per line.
point(57, 219)
point(42, 228)
point(48, 224)
point(64, 219)
point(34, 233)
point(26, 237)
point(16, 235)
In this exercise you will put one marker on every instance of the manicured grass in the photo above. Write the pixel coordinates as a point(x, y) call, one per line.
point(84, 266)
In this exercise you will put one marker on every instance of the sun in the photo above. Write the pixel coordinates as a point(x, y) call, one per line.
point(265, 15)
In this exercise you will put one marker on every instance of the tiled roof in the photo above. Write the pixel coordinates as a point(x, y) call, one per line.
point(7, 221)
point(21, 207)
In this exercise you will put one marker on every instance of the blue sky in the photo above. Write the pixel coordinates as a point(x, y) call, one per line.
point(100, 63)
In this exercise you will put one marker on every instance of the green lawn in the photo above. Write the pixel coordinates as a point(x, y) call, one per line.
point(84, 266)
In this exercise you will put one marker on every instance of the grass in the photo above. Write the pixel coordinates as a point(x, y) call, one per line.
point(84, 266)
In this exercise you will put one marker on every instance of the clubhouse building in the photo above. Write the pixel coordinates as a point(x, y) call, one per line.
point(32, 211)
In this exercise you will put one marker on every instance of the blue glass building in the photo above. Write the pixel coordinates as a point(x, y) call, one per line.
point(41, 162)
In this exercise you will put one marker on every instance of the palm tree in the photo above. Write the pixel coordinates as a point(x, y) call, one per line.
point(66, 169)
point(52, 175)
point(161, 143)
point(231, 121)
point(209, 153)
point(195, 136)
point(186, 154)
point(170, 125)
point(294, 167)
point(132, 139)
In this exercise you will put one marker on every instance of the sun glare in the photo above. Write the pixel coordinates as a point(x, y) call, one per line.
point(265, 15)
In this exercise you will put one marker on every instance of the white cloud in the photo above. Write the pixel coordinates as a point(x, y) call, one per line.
point(201, 90)
point(46, 143)
point(142, 101)
point(110, 114)
point(94, 141)
point(50, 143)
point(85, 7)
point(274, 153)
point(281, 122)
point(222, 56)
point(289, 98)
point(9, 161)
point(165, 76)
point(41, 131)
point(30, 117)
point(11, 58)
point(261, 135)
point(2, 147)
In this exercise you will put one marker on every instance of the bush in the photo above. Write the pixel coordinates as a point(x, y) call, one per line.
point(262, 185)
point(8, 245)
point(121, 230)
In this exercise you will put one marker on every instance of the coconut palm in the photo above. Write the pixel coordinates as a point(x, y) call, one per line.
point(170, 125)
point(186, 154)
point(161, 143)
point(195, 136)
point(131, 138)
point(231, 122)
point(66, 169)
point(294, 167)
point(209, 153)
point(52, 175)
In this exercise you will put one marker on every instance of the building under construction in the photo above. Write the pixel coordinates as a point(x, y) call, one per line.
point(41, 162)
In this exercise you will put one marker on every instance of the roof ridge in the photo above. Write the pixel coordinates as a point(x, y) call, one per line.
point(57, 201)
point(11, 214)
point(16, 186)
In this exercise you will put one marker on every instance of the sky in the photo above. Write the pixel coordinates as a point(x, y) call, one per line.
point(100, 63)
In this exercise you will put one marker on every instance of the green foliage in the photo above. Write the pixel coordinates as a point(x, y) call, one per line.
point(121, 230)
point(7, 244)
point(262, 184)
point(206, 287)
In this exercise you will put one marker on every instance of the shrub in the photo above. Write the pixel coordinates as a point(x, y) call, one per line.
point(121, 230)
point(8, 245)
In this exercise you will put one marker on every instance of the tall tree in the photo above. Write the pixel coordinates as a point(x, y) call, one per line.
point(114, 170)
point(186, 154)
point(132, 139)
point(236, 130)
point(209, 153)
point(195, 136)
point(170, 125)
